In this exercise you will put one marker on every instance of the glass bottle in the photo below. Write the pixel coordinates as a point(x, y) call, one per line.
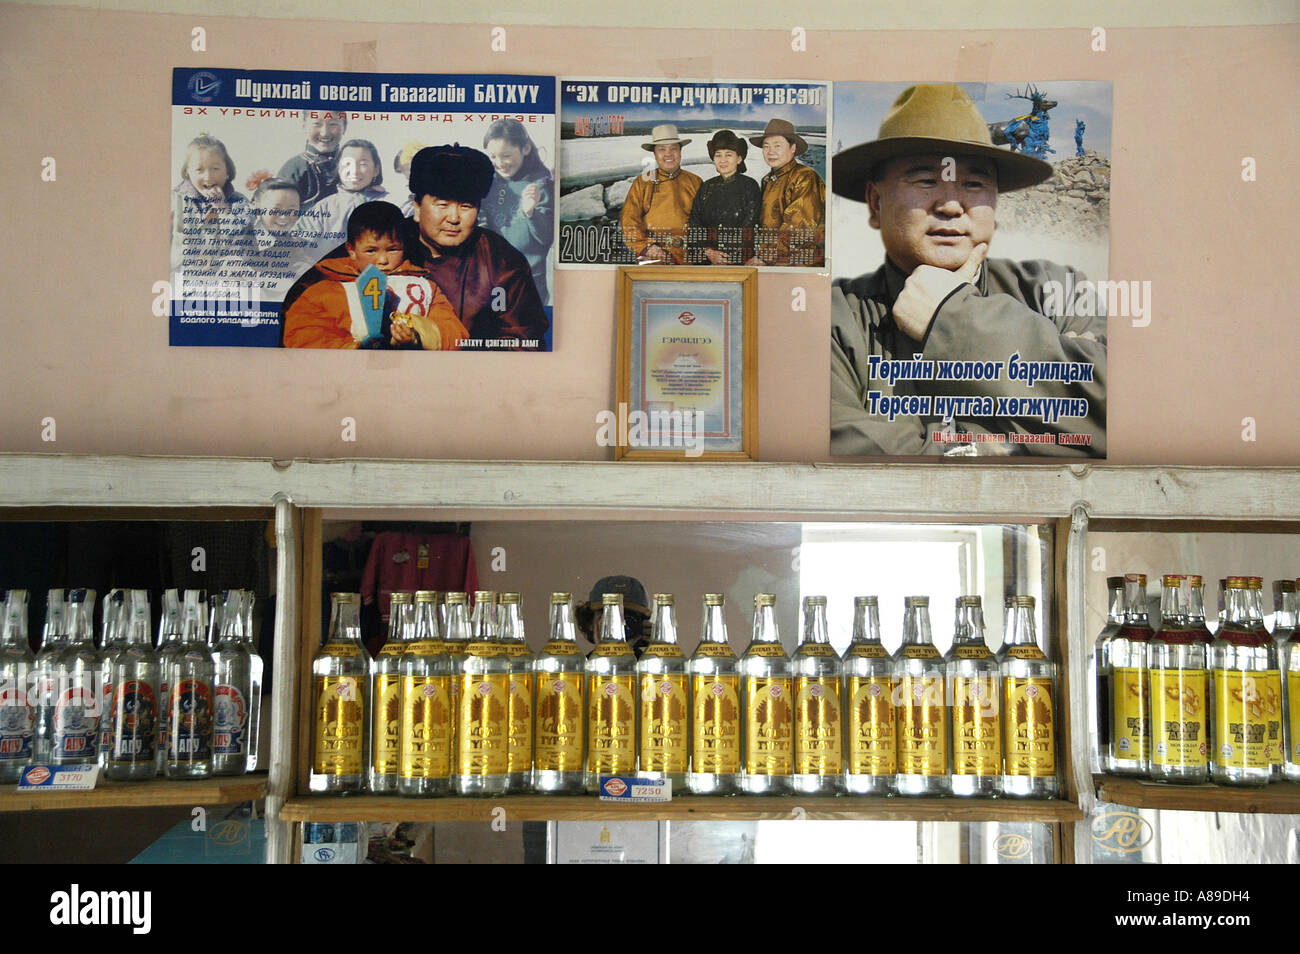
point(111, 641)
point(662, 697)
point(255, 669)
point(456, 634)
point(1130, 727)
point(426, 713)
point(1028, 708)
point(714, 680)
point(340, 681)
point(79, 686)
point(190, 713)
point(1247, 690)
point(818, 712)
point(134, 711)
point(921, 710)
point(216, 617)
point(386, 695)
point(520, 658)
point(43, 694)
point(17, 714)
point(975, 695)
point(1289, 659)
point(1179, 690)
point(1099, 676)
point(767, 706)
point(169, 636)
point(1284, 611)
point(560, 717)
point(870, 681)
point(232, 689)
point(611, 699)
point(483, 716)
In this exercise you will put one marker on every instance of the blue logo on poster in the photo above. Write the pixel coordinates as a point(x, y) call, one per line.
point(324, 855)
point(204, 87)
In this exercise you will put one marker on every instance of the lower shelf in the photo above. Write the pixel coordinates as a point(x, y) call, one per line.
point(1280, 798)
point(109, 794)
point(383, 808)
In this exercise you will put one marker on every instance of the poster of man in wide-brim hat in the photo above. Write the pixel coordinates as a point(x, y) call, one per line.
point(658, 205)
point(931, 181)
point(793, 213)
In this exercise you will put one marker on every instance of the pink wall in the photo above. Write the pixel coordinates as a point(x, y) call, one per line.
point(92, 89)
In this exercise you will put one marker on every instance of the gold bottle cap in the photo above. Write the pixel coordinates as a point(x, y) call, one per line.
point(713, 599)
point(1255, 582)
point(1139, 578)
point(1195, 582)
point(346, 597)
point(1236, 583)
point(457, 599)
point(400, 598)
point(1172, 579)
point(611, 599)
point(1025, 602)
point(664, 599)
point(485, 596)
point(866, 601)
point(970, 601)
point(916, 601)
point(509, 598)
point(559, 599)
point(765, 599)
point(426, 596)
point(814, 601)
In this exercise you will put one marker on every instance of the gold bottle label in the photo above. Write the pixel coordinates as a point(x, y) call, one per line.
point(1248, 711)
point(816, 649)
point(514, 650)
point(612, 649)
point(1024, 652)
point(873, 746)
point(716, 726)
point(774, 650)
point(818, 744)
point(1132, 725)
point(426, 727)
point(340, 725)
point(560, 722)
point(976, 725)
point(664, 712)
point(1293, 695)
point(866, 651)
point(425, 647)
point(769, 725)
point(340, 649)
point(482, 725)
point(922, 730)
point(392, 649)
point(386, 745)
point(972, 652)
point(715, 650)
point(521, 722)
point(611, 720)
point(918, 652)
point(560, 647)
point(1179, 706)
point(664, 650)
point(485, 649)
point(1031, 732)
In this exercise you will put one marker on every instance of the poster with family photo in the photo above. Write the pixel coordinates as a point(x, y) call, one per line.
point(693, 173)
point(970, 267)
point(362, 210)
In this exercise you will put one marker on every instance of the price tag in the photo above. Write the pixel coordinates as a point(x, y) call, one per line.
point(60, 778)
point(624, 788)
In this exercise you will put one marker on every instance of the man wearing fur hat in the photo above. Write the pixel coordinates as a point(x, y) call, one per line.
point(488, 281)
point(793, 219)
point(931, 182)
point(658, 205)
point(727, 206)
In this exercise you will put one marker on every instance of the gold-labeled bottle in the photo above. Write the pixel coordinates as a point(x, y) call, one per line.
point(975, 697)
point(560, 717)
point(1247, 690)
point(870, 681)
point(1028, 708)
point(341, 679)
point(921, 706)
point(1099, 677)
point(513, 642)
point(663, 701)
point(483, 709)
point(386, 696)
point(1289, 659)
point(426, 710)
point(1130, 705)
point(715, 706)
point(1179, 690)
point(611, 699)
point(456, 632)
point(818, 711)
point(767, 706)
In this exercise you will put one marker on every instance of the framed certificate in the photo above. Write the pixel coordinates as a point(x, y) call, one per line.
point(687, 364)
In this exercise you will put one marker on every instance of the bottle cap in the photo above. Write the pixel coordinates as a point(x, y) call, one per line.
point(713, 599)
point(1195, 582)
point(558, 599)
point(916, 601)
point(765, 599)
point(336, 597)
point(509, 598)
point(426, 596)
point(1172, 579)
point(970, 602)
point(1024, 602)
point(1139, 578)
point(866, 601)
point(400, 598)
point(814, 601)
point(457, 599)
point(664, 599)
point(611, 599)
point(485, 596)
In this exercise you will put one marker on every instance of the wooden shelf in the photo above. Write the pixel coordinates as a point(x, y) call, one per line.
point(109, 794)
point(1280, 798)
point(383, 808)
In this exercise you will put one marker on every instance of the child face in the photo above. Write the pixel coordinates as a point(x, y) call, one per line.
point(324, 135)
point(725, 161)
point(356, 168)
point(385, 252)
point(507, 158)
point(207, 171)
point(279, 210)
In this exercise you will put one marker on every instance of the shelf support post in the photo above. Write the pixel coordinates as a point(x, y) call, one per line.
point(284, 693)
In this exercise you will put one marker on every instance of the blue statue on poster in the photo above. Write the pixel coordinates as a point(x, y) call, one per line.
point(1029, 133)
point(1079, 127)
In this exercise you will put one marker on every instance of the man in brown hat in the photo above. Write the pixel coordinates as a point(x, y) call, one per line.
point(793, 218)
point(658, 205)
point(931, 182)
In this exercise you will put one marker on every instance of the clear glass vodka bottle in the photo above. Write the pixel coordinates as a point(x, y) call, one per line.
point(232, 690)
point(767, 706)
point(714, 678)
point(17, 713)
point(1247, 689)
point(1284, 610)
point(112, 640)
point(43, 694)
point(510, 624)
point(1130, 715)
point(663, 700)
point(386, 697)
point(134, 711)
point(79, 686)
point(1029, 694)
point(456, 634)
point(190, 677)
point(870, 681)
point(1289, 659)
point(1099, 677)
point(426, 713)
point(921, 708)
point(255, 668)
point(611, 699)
point(169, 637)
point(216, 618)
point(340, 684)
point(818, 710)
point(1179, 690)
point(560, 718)
point(483, 719)
point(975, 697)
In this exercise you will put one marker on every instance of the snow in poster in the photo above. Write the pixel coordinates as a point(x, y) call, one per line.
point(362, 210)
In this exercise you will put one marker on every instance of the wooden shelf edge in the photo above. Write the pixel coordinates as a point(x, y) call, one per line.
point(325, 808)
point(149, 794)
point(1279, 798)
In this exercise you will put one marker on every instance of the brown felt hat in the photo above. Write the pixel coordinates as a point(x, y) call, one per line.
point(782, 127)
point(726, 139)
point(932, 118)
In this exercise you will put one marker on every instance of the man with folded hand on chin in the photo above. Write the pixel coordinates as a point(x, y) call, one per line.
point(931, 183)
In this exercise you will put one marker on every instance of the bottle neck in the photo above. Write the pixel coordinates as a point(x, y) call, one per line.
point(1236, 607)
point(419, 622)
point(1115, 603)
point(139, 632)
point(80, 627)
point(458, 628)
point(1285, 617)
point(815, 629)
point(968, 625)
point(715, 625)
point(916, 625)
point(345, 622)
point(562, 628)
point(611, 624)
point(483, 628)
point(192, 633)
point(1135, 604)
point(511, 623)
point(1020, 627)
point(765, 628)
point(866, 622)
point(231, 630)
point(1173, 606)
point(1196, 606)
point(663, 628)
point(14, 634)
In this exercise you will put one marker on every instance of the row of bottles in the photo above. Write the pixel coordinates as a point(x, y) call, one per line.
point(185, 709)
point(1178, 704)
point(456, 703)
